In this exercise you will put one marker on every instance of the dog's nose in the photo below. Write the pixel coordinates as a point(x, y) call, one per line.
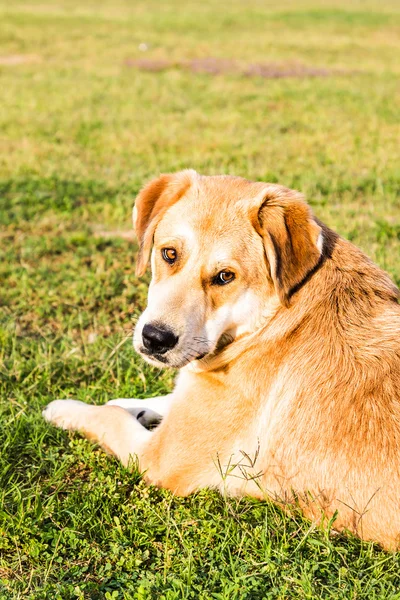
point(158, 339)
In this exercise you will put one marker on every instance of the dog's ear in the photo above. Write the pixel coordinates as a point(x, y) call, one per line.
point(292, 238)
point(150, 205)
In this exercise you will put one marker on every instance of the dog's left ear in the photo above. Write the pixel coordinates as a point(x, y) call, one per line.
point(292, 238)
point(150, 205)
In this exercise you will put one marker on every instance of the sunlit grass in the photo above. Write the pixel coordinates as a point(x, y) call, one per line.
point(80, 130)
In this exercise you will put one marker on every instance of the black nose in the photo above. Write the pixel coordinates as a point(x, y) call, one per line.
point(158, 339)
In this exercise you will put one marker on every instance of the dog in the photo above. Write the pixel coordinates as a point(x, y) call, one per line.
point(287, 338)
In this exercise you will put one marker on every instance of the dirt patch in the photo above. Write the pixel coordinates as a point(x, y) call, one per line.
point(12, 60)
point(220, 66)
point(148, 64)
point(273, 71)
point(214, 66)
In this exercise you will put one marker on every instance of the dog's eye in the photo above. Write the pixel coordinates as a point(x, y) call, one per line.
point(224, 277)
point(169, 255)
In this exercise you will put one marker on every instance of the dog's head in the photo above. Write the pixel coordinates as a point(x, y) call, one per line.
point(226, 253)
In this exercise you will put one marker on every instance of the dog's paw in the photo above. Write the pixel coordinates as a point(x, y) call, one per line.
point(148, 418)
point(145, 416)
point(63, 413)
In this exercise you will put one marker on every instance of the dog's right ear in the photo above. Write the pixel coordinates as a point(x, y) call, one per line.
point(292, 238)
point(151, 204)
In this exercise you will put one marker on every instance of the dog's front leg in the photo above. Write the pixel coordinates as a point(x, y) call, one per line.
point(149, 412)
point(114, 428)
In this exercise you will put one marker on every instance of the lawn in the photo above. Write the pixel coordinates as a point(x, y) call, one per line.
point(96, 98)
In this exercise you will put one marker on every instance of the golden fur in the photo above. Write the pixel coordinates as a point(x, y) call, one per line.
point(290, 375)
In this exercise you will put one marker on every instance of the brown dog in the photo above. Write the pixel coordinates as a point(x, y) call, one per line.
point(288, 341)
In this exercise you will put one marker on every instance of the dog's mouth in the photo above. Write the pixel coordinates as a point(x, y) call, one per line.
point(162, 358)
point(169, 361)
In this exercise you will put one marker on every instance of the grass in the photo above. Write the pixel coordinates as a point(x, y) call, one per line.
point(80, 131)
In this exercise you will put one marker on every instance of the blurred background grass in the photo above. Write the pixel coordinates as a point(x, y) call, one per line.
point(96, 98)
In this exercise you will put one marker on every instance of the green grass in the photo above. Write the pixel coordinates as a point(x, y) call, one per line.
point(79, 133)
